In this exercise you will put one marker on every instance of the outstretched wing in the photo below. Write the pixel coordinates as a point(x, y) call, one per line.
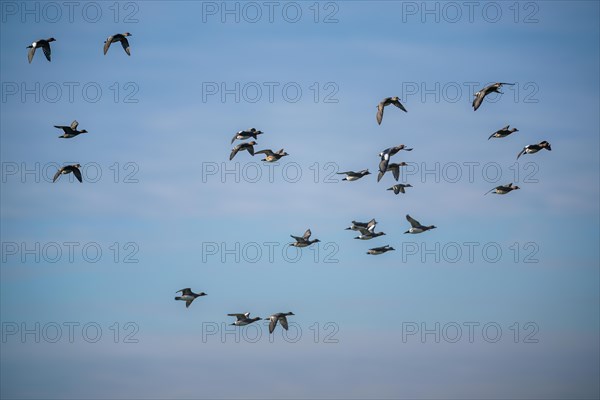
point(56, 175)
point(125, 44)
point(234, 151)
point(185, 291)
point(107, 44)
point(521, 153)
point(478, 99)
point(272, 325)
point(77, 174)
point(268, 152)
point(30, 54)
point(239, 317)
point(283, 321)
point(307, 234)
point(413, 222)
point(399, 105)
point(47, 51)
point(380, 112)
point(74, 124)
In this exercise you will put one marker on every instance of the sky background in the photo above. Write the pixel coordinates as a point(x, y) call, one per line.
point(156, 188)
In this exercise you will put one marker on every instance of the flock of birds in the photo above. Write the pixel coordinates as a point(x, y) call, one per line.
point(366, 229)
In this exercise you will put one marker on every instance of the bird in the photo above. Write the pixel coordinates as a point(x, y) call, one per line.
point(368, 233)
point(357, 225)
point(416, 226)
point(188, 296)
point(503, 189)
point(70, 131)
point(243, 319)
point(394, 167)
point(243, 135)
point(480, 95)
point(534, 148)
point(303, 241)
point(118, 37)
point(385, 159)
point(353, 176)
point(380, 250)
point(67, 169)
point(271, 156)
point(386, 102)
point(248, 146)
point(281, 318)
point(44, 44)
point(399, 188)
point(504, 132)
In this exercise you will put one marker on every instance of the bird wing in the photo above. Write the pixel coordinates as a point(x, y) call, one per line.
point(234, 151)
point(47, 51)
point(365, 231)
point(30, 54)
point(298, 239)
point(185, 291)
point(283, 321)
point(125, 44)
point(234, 137)
point(521, 153)
point(272, 324)
point(280, 152)
point(188, 302)
point(250, 149)
point(371, 223)
point(396, 189)
point(399, 105)
point(401, 189)
point(396, 172)
point(380, 112)
point(74, 124)
point(266, 151)
point(492, 135)
point(107, 44)
point(383, 164)
point(478, 99)
point(239, 317)
point(489, 191)
point(307, 234)
point(413, 222)
point(57, 174)
point(380, 175)
point(346, 173)
point(77, 173)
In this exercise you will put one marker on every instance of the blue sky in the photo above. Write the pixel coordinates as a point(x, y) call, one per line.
point(157, 198)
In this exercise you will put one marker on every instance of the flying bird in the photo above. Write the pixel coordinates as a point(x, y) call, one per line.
point(368, 233)
point(271, 156)
point(44, 44)
point(243, 319)
point(416, 226)
point(303, 241)
point(393, 167)
point(503, 189)
point(399, 188)
point(386, 102)
point(67, 169)
point(380, 250)
point(357, 225)
point(188, 296)
point(353, 176)
point(243, 135)
point(493, 88)
point(70, 131)
point(248, 146)
point(118, 37)
point(534, 148)
point(504, 132)
point(385, 156)
point(281, 318)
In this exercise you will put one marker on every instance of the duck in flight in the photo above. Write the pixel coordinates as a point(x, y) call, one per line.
point(504, 132)
point(386, 102)
point(385, 156)
point(534, 148)
point(416, 226)
point(357, 225)
point(480, 95)
point(188, 296)
point(303, 241)
point(354, 176)
point(118, 37)
point(503, 189)
point(70, 131)
point(281, 318)
point(243, 135)
point(243, 319)
point(368, 233)
point(248, 146)
point(271, 156)
point(399, 188)
point(67, 169)
point(380, 250)
point(44, 44)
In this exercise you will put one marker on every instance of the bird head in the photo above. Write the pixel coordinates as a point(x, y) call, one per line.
point(51, 40)
point(127, 34)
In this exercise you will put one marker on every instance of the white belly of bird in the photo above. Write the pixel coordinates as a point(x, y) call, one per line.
point(352, 178)
point(187, 298)
point(415, 230)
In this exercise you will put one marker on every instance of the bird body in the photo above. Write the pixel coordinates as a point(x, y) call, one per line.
point(380, 250)
point(503, 189)
point(399, 188)
point(247, 146)
point(303, 241)
point(504, 132)
point(271, 156)
point(243, 319)
point(243, 135)
point(354, 176)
